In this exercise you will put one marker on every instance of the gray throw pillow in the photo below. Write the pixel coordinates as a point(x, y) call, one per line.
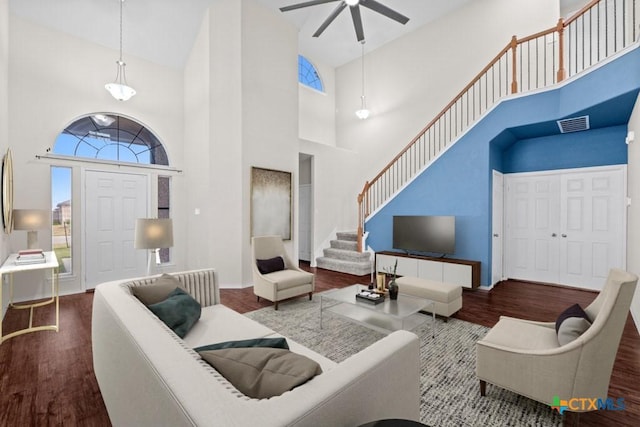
point(156, 291)
point(179, 311)
point(254, 342)
point(260, 372)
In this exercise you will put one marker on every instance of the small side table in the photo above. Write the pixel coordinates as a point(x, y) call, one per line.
point(10, 267)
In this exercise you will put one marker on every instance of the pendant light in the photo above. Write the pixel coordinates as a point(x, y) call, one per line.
point(362, 113)
point(119, 88)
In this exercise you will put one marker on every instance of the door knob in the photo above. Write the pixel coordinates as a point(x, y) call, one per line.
point(564, 235)
point(553, 234)
point(496, 235)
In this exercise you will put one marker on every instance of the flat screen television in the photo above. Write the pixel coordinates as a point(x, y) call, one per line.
point(433, 234)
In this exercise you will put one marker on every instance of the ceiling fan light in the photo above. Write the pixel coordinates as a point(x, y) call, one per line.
point(352, 2)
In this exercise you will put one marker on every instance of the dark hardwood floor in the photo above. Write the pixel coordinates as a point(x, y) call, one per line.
point(46, 378)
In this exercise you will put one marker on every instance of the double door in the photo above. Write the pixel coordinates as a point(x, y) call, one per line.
point(566, 228)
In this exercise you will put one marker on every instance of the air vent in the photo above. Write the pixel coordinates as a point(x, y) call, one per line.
point(574, 124)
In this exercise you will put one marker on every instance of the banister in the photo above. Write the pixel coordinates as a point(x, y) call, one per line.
point(433, 139)
point(581, 12)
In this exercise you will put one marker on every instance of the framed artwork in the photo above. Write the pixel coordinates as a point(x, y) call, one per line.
point(271, 204)
point(7, 192)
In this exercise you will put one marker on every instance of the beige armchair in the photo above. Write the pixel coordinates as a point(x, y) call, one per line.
point(525, 357)
point(286, 280)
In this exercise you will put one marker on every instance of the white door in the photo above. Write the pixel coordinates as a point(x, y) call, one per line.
point(592, 218)
point(112, 203)
point(304, 222)
point(532, 227)
point(496, 227)
point(566, 227)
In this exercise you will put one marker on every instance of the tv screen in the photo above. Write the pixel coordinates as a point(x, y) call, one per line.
point(435, 234)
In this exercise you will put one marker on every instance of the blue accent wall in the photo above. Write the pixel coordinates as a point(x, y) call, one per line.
point(597, 147)
point(517, 136)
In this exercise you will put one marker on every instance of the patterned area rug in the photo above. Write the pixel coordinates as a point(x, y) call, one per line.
point(450, 390)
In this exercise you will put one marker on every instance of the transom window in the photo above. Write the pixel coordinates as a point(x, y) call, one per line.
point(111, 137)
point(308, 75)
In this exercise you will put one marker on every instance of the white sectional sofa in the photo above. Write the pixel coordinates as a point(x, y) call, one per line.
point(149, 376)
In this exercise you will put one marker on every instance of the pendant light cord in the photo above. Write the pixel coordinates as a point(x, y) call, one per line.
point(362, 61)
point(121, 1)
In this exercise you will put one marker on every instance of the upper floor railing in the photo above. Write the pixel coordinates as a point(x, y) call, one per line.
point(597, 31)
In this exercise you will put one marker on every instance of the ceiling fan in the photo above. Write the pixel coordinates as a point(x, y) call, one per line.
point(354, 6)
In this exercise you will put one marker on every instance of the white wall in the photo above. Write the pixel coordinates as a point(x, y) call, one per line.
point(317, 110)
point(246, 118)
point(4, 117)
point(335, 187)
point(55, 78)
point(633, 222)
point(408, 81)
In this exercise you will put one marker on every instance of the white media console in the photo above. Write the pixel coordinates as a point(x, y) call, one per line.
point(457, 271)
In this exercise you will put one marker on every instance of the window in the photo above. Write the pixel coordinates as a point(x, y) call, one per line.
point(164, 211)
point(308, 75)
point(110, 137)
point(61, 217)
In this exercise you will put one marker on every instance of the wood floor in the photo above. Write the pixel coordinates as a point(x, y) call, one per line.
point(46, 378)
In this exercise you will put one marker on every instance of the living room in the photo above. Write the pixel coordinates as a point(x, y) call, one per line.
point(216, 118)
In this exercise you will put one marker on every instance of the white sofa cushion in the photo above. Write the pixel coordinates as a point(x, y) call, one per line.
point(219, 323)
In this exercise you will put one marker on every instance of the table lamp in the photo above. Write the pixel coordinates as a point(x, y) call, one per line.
point(153, 234)
point(31, 220)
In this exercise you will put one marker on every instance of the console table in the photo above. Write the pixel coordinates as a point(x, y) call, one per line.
point(449, 270)
point(10, 268)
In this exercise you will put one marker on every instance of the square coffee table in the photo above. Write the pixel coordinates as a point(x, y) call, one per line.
point(388, 316)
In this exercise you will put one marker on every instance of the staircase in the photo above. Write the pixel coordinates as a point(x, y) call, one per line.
point(524, 64)
point(343, 256)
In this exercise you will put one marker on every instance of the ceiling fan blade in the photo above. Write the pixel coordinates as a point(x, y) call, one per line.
point(357, 22)
point(305, 4)
point(384, 10)
point(330, 19)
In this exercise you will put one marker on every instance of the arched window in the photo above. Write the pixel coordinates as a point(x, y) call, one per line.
point(111, 137)
point(308, 75)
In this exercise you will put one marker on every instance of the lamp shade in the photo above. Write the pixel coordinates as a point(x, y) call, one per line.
point(30, 219)
point(153, 233)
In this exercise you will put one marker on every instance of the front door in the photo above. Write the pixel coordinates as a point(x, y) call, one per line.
point(112, 203)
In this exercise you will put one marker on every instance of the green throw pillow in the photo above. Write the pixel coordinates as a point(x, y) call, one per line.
point(156, 291)
point(179, 311)
point(260, 372)
point(255, 342)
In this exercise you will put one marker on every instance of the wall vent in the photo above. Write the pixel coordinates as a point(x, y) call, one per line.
point(574, 124)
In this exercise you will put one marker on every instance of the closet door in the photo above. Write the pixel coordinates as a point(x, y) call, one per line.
point(593, 218)
point(532, 227)
point(565, 227)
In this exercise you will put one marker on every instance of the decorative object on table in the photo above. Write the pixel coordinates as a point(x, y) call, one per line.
point(393, 286)
point(153, 234)
point(381, 281)
point(7, 192)
point(370, 297)
point(31, 220)
point(30, 256)
point(271, 210)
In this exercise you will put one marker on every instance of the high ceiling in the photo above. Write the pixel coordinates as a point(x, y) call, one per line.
point(163, 31)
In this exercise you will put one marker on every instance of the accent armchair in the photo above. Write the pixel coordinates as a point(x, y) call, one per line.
point(525, 356)
point(275, 276)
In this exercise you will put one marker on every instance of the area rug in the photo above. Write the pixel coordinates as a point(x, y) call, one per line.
point(450, 390)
